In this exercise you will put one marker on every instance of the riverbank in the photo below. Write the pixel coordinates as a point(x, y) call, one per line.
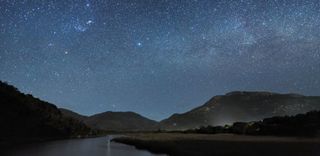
point(178, 144)
point(100, 146)
point(9, 143)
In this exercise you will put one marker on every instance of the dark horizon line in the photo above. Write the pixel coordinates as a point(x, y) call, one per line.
point(130, 111)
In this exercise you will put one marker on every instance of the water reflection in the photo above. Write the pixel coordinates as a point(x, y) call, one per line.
point(80, 147)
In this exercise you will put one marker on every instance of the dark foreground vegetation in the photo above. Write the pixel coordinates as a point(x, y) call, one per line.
point(24, 118)
point(181, 144)
point(307, 125)
point(277, 136)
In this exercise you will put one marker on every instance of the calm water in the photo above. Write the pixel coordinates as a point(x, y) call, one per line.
point(80, 147)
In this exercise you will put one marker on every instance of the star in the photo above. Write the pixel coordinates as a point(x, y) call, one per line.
point(89, 22)
point(158, 54)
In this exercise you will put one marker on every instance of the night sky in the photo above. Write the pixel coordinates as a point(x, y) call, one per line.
point(157, 57)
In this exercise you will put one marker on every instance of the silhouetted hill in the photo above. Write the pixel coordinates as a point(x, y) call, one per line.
point(121, 121)
point(114, 121)
point(72, 114)
point(307, 124)
point(241, 106)
point(25, 117)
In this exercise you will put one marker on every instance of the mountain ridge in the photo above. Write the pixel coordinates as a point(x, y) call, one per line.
point(221, 109)
point(115, 121)
point(273, 103)
point(241, 106)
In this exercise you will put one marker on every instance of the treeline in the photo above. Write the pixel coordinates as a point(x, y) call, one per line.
point(299, 125)
point(24, 116)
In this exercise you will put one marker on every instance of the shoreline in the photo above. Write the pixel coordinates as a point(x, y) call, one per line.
point(9, 143)
point(178, 144)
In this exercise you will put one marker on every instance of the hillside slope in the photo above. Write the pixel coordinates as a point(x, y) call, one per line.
point(241, 106)
point(72, 114)
point(26, 117)
point(121, 121)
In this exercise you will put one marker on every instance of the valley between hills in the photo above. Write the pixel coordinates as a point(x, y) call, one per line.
point(236, 120)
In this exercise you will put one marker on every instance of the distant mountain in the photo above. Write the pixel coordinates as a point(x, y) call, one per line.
point(120, 121)
point(25, 117)
point(22, 115)
point(114, 121)
point(241, 106)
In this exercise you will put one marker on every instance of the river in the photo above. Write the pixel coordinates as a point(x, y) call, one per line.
point(101, 146)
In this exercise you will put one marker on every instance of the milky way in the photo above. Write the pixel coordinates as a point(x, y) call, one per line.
point(157, 57)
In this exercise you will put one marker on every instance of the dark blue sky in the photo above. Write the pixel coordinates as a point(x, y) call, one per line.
point(157, 57)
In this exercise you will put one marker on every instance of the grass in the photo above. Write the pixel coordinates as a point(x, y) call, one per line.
point(178, 144)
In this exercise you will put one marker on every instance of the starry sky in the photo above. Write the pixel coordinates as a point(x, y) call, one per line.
point(157, 57)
